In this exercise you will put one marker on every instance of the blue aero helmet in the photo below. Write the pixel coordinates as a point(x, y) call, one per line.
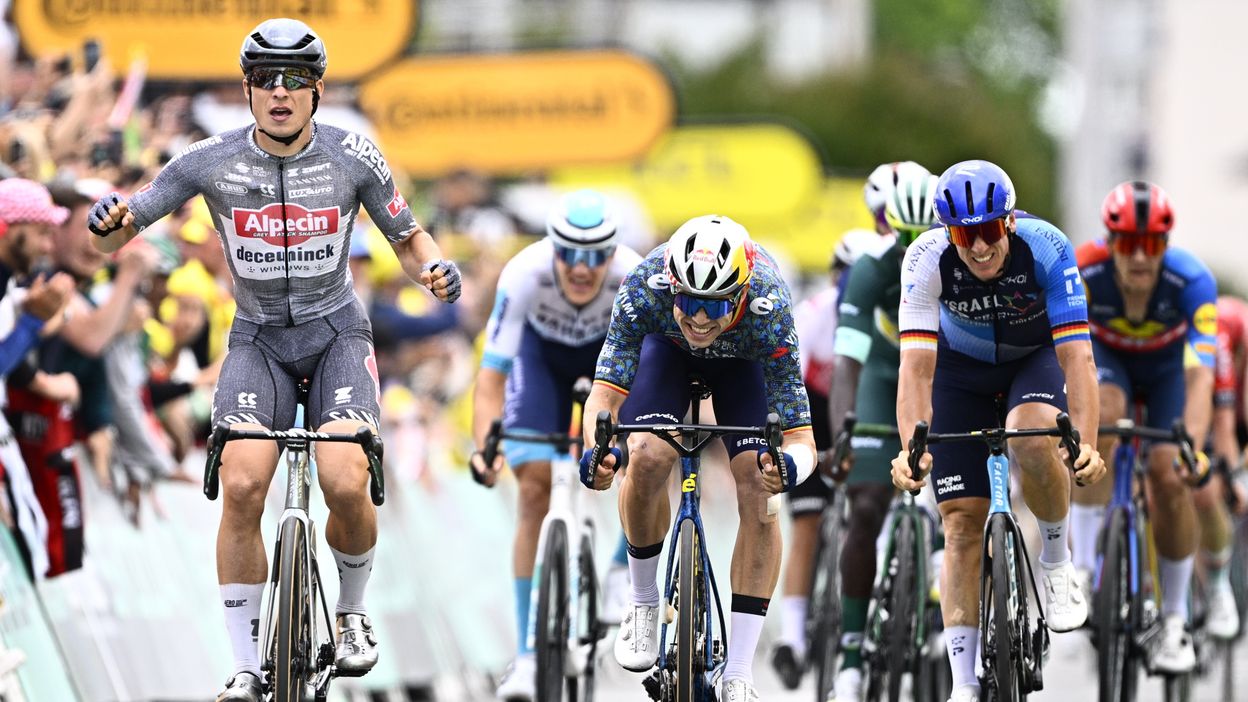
point(972, 192)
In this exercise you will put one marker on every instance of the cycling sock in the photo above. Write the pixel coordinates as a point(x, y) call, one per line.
point(1217, 570)
point(353, 572)
point(643, 568)
point(621, 553)
point(748, 615)
point(242, 620)
point(524, 591)
point(961, 642)
point(1085, 522)
point(1176, 578)
point(1053, 547)
point(793, 622)
point(854, 611)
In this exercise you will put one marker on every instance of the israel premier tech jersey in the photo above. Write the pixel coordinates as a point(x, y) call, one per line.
point(528, 294)
point(285, 223)
point(1181, 314)
point(762, 331)
point(1037, 301)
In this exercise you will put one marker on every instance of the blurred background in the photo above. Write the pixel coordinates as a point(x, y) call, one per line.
point(770, 111)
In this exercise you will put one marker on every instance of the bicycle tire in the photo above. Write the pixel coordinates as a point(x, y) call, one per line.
point(902, 608)
point(1005, 669)
point(581, 689)
point(551, 637)
point(689, 618)
point(823, 614)
point(1239, 576)
point(1116, 662)
point(1178, 688)
point(292, 644)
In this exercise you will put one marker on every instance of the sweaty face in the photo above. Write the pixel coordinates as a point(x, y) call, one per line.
point(580, 283)
point(986, 261)
point(281, 98)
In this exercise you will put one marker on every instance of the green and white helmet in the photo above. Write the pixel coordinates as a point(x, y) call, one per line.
point(910, 210)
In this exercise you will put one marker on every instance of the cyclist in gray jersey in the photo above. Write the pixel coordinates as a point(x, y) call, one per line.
point(284, 195)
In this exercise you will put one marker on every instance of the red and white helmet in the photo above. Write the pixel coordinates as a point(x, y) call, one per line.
point(710, 256)
point(1137, 207)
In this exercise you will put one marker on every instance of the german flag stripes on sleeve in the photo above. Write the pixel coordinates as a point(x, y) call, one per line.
point(1070, 331)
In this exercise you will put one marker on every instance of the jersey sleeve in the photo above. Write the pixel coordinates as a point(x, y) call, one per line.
point(176, 183)
point(1200, 307)
point(918, 318)
point(781, 361)
point(376, 189)
point(506, 325)
point(636, 312)
point(856, 312)
point(1057, 269)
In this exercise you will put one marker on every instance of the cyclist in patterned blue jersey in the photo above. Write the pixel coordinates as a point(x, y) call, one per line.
point(710, 302)
point(992, 305)
point(550, 315)
point(1153, 306)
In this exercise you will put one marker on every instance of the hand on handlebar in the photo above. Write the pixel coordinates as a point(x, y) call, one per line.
point(483, 474)
point(902, 478)
point(604, 473)
point(773, 481)
point(1089, 466)
point(1198, 474)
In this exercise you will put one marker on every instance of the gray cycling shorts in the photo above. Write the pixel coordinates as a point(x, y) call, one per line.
point(259, 379)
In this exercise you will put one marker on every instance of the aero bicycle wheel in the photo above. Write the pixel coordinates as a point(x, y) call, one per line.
point(551, 639)
point(1001, 625)
point(690, 617)
point(293, 640)
point(823, 614)
point(1116, 664)
point(902, 607)
point(587, 615)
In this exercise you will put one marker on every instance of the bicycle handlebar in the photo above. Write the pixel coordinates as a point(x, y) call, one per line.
point(1126, 428)
point(842, 445)
point(562, 441)
point(1068, 435)
point(605, 429)
point(371, 443)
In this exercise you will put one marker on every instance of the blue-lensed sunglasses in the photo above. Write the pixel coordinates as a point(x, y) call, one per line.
point(715, 307)
point(590, 257)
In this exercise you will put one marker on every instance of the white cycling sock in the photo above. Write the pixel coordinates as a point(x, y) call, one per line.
point(643, 568)
point(961, 643)
point(1176, 580)
point(1217, 568)
point(353, 572)
point(242, 621)
point(793, 622)
point(1085, 522)
point(1053, 547)
point(743, 632)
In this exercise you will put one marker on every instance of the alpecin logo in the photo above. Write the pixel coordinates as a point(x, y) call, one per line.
point(299, 225)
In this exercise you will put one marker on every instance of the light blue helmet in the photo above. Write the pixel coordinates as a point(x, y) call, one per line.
point(972, 192)
point(582, 220)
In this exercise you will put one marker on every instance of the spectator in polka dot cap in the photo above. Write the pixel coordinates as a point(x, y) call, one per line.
point(27, 219)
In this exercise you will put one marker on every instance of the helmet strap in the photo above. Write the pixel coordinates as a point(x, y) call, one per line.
point(284, 140)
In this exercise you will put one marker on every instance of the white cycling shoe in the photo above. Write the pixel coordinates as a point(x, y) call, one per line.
point(519, 683)
point(1066, 607)
point(1173, 651)
point(637, 642)
point(242, 687)
point(848, 685)
point(966, 693)
point(738, 690)
point(1223, 620)
point(616, 591)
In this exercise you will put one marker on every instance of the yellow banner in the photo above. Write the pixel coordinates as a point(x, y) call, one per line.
point(766, 176)
point(200, 39)
point(508, 113)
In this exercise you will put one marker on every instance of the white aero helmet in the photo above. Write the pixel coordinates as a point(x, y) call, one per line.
point(910, 210)
point(710, 256)
point(582, 220)
point(883, 179)
point(853, 244)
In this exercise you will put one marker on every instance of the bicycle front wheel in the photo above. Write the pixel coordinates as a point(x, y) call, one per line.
point(690, 616)
point(902, 607)
point(1116, 664)
point(293, 641)
point(590, 629)
point(551, 639)
point(823, 615)
point(1003, 642)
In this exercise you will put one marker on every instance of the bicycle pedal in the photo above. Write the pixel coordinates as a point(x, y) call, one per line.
point(653, 685)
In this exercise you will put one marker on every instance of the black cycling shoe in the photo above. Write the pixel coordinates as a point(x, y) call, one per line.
point(243, 687)
point(788, 667)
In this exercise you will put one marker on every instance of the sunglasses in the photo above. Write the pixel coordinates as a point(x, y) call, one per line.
point(715, 307)
point(989, 232)
point(1128, 244)
point(289, 77)
point(590, 257)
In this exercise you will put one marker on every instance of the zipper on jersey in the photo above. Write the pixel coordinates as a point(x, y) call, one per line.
point(281, 183)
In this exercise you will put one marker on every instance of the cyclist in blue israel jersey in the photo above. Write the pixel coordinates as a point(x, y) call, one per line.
point(550, 316)
point(992, 305)
point(709, 303)
point(1153, 305)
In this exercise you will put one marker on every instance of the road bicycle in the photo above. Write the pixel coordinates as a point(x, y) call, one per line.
point(823, 614)
point(690, 665)
point(1238, 570)
point(900, 620)
point(1125, 595)
point(298, 650)
point(1014, 647)
point(564, 629)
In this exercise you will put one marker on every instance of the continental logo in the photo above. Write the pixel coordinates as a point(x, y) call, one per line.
point(1206, 319)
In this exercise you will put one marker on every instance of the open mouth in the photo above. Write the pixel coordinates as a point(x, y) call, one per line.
point(280, 114)
point(982, 259)
point(701, 329)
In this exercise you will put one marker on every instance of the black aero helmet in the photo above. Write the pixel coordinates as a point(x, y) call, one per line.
point(283, 42)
